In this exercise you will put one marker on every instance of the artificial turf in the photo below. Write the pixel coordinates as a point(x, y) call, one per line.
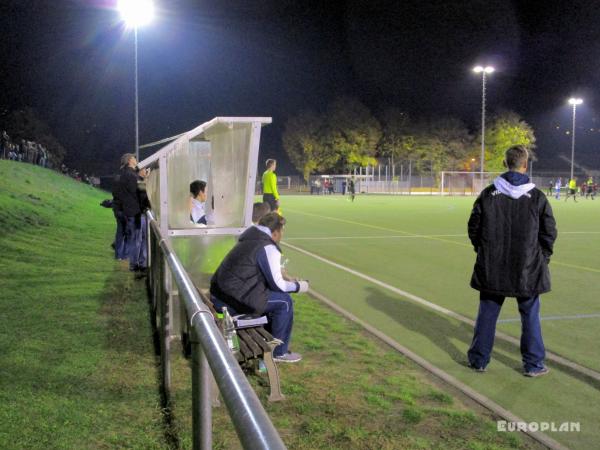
point(418, 244)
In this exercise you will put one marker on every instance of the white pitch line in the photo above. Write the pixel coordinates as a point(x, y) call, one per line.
point(574, 317)
point(505, 337)
point(412, 236)
point(579, 232)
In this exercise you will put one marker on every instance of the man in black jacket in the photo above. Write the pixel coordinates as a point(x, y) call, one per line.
point(513, 231)
point(130, 200)
point(249, 280)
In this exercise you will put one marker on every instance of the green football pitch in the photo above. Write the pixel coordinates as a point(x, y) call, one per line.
point(403, 264)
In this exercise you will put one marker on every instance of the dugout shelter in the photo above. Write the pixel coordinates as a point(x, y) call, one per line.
point(224, 153)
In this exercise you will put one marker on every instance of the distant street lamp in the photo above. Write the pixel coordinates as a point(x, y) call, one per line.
point(573, 101)
point(483, 71)
point(136, 13)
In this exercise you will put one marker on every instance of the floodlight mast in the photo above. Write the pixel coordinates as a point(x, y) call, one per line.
point(574, 102)
point(136, 13)
point(483, 71)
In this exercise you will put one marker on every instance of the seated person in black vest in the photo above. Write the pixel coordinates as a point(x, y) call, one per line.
point(249, 281)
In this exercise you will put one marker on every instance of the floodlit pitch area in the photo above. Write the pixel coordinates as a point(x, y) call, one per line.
point(403, 263)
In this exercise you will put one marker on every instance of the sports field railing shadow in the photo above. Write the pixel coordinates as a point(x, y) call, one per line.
point(438, 329)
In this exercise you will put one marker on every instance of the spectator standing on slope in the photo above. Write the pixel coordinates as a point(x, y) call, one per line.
point(129, 196)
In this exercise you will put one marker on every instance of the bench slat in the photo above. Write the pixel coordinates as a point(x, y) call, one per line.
point(245, 351)
point(259, 340)
point(247, 338)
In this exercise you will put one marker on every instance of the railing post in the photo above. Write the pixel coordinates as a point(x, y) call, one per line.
point(201, 399)
point(165, 333)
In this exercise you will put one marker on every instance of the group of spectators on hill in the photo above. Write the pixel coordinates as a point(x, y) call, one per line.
point(35, 153)
point(24, 151)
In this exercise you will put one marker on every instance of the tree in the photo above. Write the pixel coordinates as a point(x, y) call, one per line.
point(505, 130)
point(303, 142)
point(352, 133)
point(25, 124)
point(347, 136)
point(437, 144)
point(397, 140)
point(443, 142)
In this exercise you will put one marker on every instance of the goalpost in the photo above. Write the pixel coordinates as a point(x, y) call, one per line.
point(465, 183)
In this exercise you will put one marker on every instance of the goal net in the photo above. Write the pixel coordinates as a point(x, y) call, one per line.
point(465, 183)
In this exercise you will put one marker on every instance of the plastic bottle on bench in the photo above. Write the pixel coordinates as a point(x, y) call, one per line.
point(229, 331)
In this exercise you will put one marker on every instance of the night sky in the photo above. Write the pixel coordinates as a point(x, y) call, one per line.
point(73, 62)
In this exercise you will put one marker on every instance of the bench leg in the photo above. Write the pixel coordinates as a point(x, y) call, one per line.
point(273, 373)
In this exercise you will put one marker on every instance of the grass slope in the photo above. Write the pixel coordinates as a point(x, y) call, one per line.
point(77, 368)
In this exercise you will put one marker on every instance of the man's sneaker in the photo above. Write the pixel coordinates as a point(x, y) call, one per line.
point(536, 373)
point(289, 357)
point(477, 369)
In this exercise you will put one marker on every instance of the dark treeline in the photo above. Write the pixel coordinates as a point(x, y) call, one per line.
point(349, 135)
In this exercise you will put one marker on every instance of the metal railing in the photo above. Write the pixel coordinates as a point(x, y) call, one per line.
point(210, 353)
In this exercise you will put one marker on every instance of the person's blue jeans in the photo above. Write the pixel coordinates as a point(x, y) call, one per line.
point(280, 312)
point(120, 241)
point(532, 344)
point(136, 242)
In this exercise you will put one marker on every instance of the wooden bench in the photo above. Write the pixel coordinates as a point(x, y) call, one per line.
point(256, 343)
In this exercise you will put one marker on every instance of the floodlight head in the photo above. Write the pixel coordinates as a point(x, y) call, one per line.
point(488, 69)
point(575, 101)
point(136, 13)
point(478, 69)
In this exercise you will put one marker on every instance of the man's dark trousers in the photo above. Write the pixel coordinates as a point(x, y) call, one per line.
point(136, 242)
point(532, 344)
point(120, 241)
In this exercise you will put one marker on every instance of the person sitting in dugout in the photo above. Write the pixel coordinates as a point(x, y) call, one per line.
point(198, 202)
point(249, 281)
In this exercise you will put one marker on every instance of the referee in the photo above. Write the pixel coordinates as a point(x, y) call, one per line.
point(269, 181)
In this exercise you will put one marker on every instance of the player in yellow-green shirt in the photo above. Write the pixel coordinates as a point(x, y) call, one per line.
point(572, 190)
point(269, 182)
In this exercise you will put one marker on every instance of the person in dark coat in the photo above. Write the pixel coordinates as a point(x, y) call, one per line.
point(129, 197)
point(120, 243)
point(512, 230)
point(249, 281)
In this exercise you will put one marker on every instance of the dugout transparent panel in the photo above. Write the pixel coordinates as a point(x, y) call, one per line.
point(189, 161)
point(153, 191)
point(230, 154)
point(201, 255)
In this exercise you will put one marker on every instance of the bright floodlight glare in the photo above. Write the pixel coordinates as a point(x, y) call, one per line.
point(575, 101)
point(136, 13)
point(488, 69)
point(478, 69)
